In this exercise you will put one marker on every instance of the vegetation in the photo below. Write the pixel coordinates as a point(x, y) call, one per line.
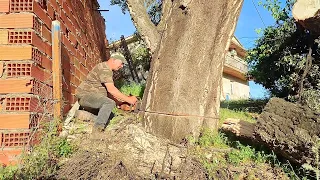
point(279, 58)
point(153, 10)
point(133, 89)
point(246, 105)
point(243, 115)
point(42, 161)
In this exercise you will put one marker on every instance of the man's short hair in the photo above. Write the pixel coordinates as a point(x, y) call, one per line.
point(117, 55)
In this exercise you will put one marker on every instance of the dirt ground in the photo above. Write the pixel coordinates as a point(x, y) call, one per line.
point(126, 151)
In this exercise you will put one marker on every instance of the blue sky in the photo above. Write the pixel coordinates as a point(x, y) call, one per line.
point(118, 24)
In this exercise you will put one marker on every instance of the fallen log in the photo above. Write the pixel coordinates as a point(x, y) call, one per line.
point(307, 13)
point(289, 129)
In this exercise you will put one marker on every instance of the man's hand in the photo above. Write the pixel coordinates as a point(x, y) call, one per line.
point(117, 94)
point(132, 100)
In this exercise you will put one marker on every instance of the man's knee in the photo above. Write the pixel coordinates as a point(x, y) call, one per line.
point(109, 103)
point(112, 102)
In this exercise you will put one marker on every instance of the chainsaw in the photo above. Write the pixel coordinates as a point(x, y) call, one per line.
point(126, 106)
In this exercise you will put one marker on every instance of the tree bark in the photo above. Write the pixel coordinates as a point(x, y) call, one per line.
point(289, 129)
point(166, 11)
point(307, 13)
point(183, 87)
point(142, 22)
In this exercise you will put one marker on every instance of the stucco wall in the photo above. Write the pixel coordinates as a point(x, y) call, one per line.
point(234, 88)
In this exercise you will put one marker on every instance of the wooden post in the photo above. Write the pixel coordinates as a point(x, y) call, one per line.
point(56, 69)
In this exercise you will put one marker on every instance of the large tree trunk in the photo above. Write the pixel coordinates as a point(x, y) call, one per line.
point(183, 88)
point(289, 129)
point(307, 13)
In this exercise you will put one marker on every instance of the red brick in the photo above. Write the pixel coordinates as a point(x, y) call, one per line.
point(55, 5)
point(86, 72)
point(15, 52)
point(73, 39)
point(66, 8)
point(37, 26)
point(82, 77)
point(46, 33)
point(66, 108)
point(42, 15)
point(78, 81)
point(15, 86)
point(82, 68)
point(74, 22)
point(21, 5)
point(50, 11)
point(26, 104)
point(73, 89)
point(67, 43)
point(4, 5)
point(16, 20)
point(9, 156)
point(41, 89)
point(1, 68)
point(15, 70)
point(29, 37)
point(60, 2)
point(4, 36)
point(77, 73)
point(63, 16)
point(41, 59)
point(13, 139)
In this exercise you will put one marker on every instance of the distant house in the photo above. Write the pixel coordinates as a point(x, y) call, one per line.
point(234, 81)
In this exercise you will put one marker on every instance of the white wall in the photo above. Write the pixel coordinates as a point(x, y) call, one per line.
point(234, 88)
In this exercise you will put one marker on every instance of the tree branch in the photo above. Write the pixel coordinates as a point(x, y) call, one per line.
point(166, 11)
point(143, 24)
point(306, 71)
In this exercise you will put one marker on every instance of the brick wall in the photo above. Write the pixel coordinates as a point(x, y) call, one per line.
point(26, 62)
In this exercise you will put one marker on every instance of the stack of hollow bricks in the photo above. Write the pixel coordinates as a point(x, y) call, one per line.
point(26, 63)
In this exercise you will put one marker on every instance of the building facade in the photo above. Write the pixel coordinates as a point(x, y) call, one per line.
point(234, 81)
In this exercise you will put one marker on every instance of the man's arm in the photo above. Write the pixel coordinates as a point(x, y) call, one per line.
point(116, 93)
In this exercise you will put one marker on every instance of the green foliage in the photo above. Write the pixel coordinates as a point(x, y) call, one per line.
point(153, 8)
point(311, 98)
point(246, 154)
point(133, 89)
point(278, 59)
point(316, 167)
point(141, 56)
point(121, 3)
point(246, 105)
point(64, 149)
point(214, 139)
point(8, 172)
point(42, 161)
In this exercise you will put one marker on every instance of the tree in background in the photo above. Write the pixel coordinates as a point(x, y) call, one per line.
point(279, 59)
point(188, 42)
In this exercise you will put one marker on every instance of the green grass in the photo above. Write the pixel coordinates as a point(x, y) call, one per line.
point(227, 113)
point(210, 138)
point(243, 154)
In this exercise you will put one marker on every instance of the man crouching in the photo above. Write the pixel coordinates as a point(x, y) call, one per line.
point(93, 92)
